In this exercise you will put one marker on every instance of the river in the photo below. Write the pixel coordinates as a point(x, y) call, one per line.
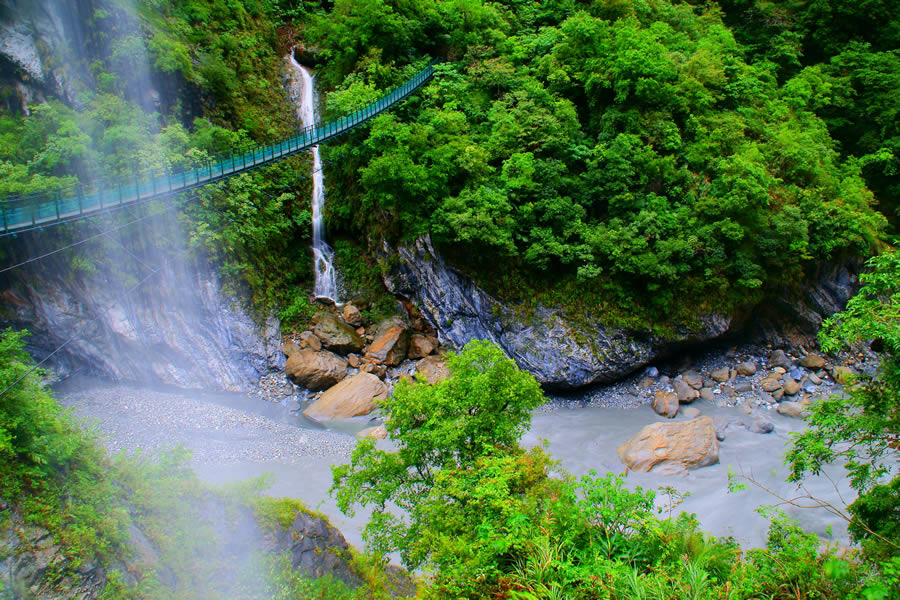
point(237, 436)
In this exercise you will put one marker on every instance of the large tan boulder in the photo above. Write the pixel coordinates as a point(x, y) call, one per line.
point(335, 334)
point(390, 347)
point(672, 446)
point(351, 397)
point(315, 370)
point(433, 368)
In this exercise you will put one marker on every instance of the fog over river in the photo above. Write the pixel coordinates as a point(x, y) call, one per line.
point(236, 436)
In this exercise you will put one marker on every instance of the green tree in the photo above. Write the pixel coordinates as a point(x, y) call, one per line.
point(480, 411)
point(861, 428)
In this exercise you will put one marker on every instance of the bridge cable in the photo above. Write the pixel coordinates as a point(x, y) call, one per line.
point(80, 242)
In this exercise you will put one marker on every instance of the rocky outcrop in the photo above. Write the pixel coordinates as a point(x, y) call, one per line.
point(672, 446)
point(561, 353)
point(566, 353)
point(178, 327)
point(317, 549)
point(315, 371)
point(351, 397)
point(390, 346)
point(334, 334)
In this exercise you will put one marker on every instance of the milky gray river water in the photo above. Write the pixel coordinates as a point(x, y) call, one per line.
point(234, 436)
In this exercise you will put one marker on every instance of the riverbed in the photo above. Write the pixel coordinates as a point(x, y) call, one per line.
point(237, 436)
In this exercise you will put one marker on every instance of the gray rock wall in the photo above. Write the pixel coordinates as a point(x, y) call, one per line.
point(563, 353)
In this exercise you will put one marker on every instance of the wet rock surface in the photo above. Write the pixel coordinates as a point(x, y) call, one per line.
point(563, 353)
point(177, 328)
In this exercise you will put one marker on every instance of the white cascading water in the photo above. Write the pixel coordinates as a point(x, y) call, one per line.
point(323, 255)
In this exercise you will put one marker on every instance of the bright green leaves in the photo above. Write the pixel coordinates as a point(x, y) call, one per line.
point(861, 428)
point(480, 411)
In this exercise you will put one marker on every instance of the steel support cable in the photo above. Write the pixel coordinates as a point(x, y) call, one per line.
point(78, 243)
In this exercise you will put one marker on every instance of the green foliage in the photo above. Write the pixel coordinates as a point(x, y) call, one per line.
point(481, 409)
point(256, 230)
point(491, 520)
point(53, 469)
point(629, 152)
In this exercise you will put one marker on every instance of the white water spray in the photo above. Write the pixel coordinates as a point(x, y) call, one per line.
point(323, 255)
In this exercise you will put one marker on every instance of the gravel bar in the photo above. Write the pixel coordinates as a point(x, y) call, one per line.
point(130, 417)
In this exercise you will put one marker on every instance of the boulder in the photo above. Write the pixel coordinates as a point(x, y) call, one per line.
point(336, 335)
point(351, 397)
point(689, 412)
point(390, 346)
point(791, 387)
point(693, 379)
point(747, 368)
point(777, 358)
point(377, 369)
point(290, 347)
point(354, 360)
point(379, 432)
point(672, 446)
point(770, 384)
point(707, 394)
point(389, 323)
point(842, 375)
point(351, 315)
point(686, 393)
point(791, 409)
point(315, 370)
point(309, 340)
point(419, 346)
point(721, 375)
point(812, 361)
point(760, 426)
point(665, 404)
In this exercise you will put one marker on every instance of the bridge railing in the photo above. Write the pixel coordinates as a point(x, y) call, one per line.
point(72, 202)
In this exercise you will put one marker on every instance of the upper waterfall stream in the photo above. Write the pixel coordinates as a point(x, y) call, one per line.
point(323, 255)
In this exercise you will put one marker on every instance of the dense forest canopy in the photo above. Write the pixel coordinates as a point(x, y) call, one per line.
point(654, 157)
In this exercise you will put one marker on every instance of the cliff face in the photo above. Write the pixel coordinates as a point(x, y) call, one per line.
point(565, 354)
point(176, 328)
point(36, 38)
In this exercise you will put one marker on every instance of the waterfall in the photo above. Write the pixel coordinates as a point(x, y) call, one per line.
point(323, 255)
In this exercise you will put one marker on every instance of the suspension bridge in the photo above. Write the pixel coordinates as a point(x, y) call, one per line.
point(85, 199)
